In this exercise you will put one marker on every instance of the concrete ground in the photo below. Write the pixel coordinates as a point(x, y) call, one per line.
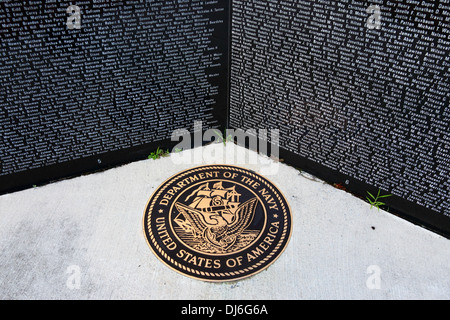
point(82, 238)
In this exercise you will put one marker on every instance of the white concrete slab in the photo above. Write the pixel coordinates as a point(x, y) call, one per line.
point(82, 238)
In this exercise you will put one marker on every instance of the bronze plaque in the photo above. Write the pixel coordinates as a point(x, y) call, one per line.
point(217, 223)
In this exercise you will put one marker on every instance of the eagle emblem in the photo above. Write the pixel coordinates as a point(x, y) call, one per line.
point(215, 221)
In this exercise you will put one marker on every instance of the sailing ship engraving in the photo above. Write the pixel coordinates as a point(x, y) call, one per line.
point(212, 220)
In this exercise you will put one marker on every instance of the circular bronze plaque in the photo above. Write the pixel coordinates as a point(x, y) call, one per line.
point(217, 223)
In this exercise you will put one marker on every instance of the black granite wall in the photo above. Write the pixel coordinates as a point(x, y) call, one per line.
point(359, 91)
point(90, 83)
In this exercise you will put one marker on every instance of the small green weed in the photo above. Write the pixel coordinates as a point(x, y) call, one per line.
point(374, 201)
point(221, 138)
point(158, 154)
